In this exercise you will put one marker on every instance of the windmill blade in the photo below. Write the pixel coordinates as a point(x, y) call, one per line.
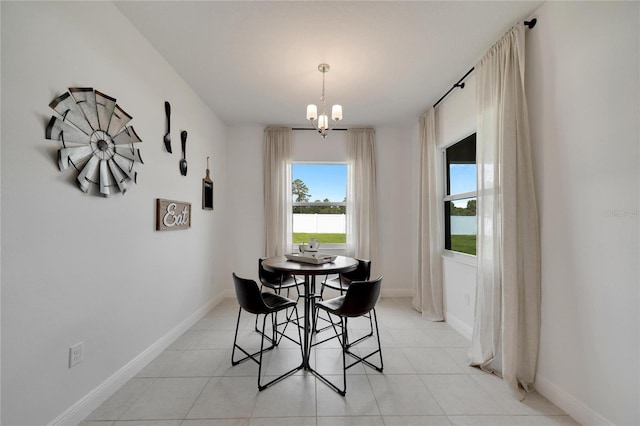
point(126, 166)
point(74, 155)
point(127, 136)
point(118, 176)
point(105, 105)
point(61, 131)
point(88, 174)
point(129, 153)
point(119, 119)
point(66, 106)
point(86, 99)
point(105, 179)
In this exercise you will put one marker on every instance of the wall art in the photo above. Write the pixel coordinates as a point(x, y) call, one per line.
point(167, 136)
point(183, 162)
point(207, 190)
point(172, 215)
point(95, 139)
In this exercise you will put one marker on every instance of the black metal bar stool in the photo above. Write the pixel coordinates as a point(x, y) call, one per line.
point(360, 299)
point(268, 304)
point(342, 282)
point(278, 281)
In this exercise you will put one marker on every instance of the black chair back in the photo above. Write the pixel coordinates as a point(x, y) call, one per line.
point(361, 297)
point(249, 296)
point(361, 273)
point(269, 277)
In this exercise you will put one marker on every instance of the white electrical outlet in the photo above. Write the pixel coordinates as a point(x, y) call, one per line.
point(76, 354)
point(467, 299)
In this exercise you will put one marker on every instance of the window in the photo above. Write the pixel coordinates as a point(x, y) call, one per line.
point(319, 203)
point(461, 195)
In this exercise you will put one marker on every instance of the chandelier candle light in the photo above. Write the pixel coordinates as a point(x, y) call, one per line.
point(321, 122)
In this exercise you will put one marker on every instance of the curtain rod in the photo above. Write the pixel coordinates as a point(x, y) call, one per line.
point(460, 83)
point(308, 128)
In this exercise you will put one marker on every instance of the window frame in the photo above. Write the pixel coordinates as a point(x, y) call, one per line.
point(339, 248)
point(447, 197)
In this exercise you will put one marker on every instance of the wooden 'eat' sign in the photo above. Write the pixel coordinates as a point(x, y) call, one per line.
point(172, 215)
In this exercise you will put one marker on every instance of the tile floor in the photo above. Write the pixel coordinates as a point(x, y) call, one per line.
point(425, 382)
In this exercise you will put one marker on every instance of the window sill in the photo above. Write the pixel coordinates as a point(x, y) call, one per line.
point(463, 258)
point(337, 249)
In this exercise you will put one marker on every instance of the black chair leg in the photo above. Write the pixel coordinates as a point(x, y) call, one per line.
point(375, 315)
point(315, 328)
point(235, 338)
point(366, 336)
point(247, 354)
point(264, 323)
point(286, 324)
point(340, 335)
point(262, 387)
point(288, 317)
point(343, 337)
point(336, 334)
point(364, 359)
point(345, 340)
point(262, 350)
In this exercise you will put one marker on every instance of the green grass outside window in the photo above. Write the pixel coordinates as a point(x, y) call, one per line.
point(464, 243)
point(330, 238)
point(460, 243)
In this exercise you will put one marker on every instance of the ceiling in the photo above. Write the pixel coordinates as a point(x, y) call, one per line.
point(256, 62)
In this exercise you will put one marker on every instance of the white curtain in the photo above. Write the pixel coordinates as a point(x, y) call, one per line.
point(362, 222)
point(507, 318)
point(427, 297)
point(277, 191)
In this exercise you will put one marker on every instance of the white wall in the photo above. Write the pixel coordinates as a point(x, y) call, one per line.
point(455, 120)
point(582, 87)
point(245, 178)
point(396, 213)
point(78, 267)
point(459, 280)
point(397, 209)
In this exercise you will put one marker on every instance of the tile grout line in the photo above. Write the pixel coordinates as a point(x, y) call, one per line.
point(195, 400)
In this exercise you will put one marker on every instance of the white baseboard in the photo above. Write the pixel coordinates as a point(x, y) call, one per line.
point(458, 325)
point(400, 292)
point(568, 403)
point(85, 406)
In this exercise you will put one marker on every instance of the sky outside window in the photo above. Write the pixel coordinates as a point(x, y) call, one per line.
point(325, 181)
point(461, 168)
point(462, 178)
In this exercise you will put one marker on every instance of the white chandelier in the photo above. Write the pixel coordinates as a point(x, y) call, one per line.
point(321, 122)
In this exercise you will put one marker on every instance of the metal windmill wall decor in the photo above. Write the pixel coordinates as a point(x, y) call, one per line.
point(96, 140)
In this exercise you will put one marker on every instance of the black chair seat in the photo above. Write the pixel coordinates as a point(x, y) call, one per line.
point(332, 305)
point(340, 284)
point(276, 303)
